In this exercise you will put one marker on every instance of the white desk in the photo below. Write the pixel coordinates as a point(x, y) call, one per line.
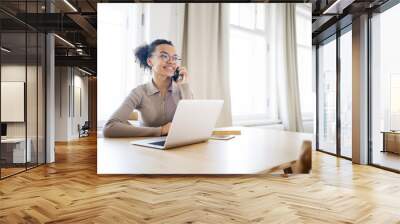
point(254, 151)
point(18, 149)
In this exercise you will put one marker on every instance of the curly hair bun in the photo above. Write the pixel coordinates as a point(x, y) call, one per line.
point(144, 51)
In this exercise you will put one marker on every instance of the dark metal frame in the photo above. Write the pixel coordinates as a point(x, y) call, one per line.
point(316, 97)
point(45, 89)
point(44, 74)
point(369, 96)
point(336, 38)
point(26, 90)
point(37, 90)
point(338, 97)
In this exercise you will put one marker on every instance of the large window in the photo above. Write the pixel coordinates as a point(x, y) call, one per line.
point(121, 29)
point(335, 61)
point(327, 96)
point(304, 54)
point(346, 94)
point(253, 84)
point(119, 33)
point(252, 88)
point(385, 84)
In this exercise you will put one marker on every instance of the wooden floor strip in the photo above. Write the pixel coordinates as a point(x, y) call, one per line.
point(70, 191)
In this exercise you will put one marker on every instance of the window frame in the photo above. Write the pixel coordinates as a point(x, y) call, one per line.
point(271, 116)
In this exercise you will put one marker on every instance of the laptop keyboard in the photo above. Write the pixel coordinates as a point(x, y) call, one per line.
point(161, 143)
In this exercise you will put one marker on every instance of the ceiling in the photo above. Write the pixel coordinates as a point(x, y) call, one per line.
point(329, 16)
point(74, 23)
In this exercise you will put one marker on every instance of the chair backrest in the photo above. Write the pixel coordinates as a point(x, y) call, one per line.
point(86, 125)
point(134, 116)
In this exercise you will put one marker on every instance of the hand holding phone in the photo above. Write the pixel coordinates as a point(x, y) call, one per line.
point(176, 75)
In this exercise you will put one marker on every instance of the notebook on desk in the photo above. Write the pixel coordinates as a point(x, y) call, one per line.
point(227, 132)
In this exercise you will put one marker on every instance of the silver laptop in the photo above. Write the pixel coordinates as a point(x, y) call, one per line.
point(193, 122)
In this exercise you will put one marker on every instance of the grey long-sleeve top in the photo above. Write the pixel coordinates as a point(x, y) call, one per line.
point(155, 110)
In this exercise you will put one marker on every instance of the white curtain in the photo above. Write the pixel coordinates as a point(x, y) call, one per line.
point(205, 53)
point(283, 48)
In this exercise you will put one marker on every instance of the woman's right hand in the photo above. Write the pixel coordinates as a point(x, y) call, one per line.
point(184, 74)
point(165, 128)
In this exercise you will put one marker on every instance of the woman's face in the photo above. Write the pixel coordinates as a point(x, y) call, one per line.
point(163, 60)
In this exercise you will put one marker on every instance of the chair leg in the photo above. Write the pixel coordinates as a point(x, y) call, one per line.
point(303, 164)
point(288, 170)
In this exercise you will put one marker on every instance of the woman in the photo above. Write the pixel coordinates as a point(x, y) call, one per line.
point(156, 100)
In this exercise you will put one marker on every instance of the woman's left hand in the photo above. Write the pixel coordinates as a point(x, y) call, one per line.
point(184, 76)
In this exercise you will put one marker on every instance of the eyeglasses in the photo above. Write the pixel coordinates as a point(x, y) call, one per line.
point(166, 57)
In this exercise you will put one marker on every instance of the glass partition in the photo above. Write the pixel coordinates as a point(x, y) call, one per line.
point(13, 105)
point(31, 99)
point(22, 78)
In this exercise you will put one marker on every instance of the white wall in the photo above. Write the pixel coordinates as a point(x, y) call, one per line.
point(308, 126)
point(61, 103)
point(79, 117)
point(67, 114)
point(12, 73)
point(165, 21)
point(34, 124)
point(17, 73)
point(12, 100)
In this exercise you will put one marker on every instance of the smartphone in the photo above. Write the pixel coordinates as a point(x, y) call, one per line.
point(176, 75)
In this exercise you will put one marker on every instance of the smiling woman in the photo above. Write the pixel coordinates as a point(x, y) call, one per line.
point(161, 59)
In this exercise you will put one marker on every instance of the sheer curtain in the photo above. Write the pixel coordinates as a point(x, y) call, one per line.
point(206, 53)
point(283, 50)
point(119, 32)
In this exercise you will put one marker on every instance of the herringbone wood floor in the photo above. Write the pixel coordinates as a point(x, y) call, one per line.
point(69, 191)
